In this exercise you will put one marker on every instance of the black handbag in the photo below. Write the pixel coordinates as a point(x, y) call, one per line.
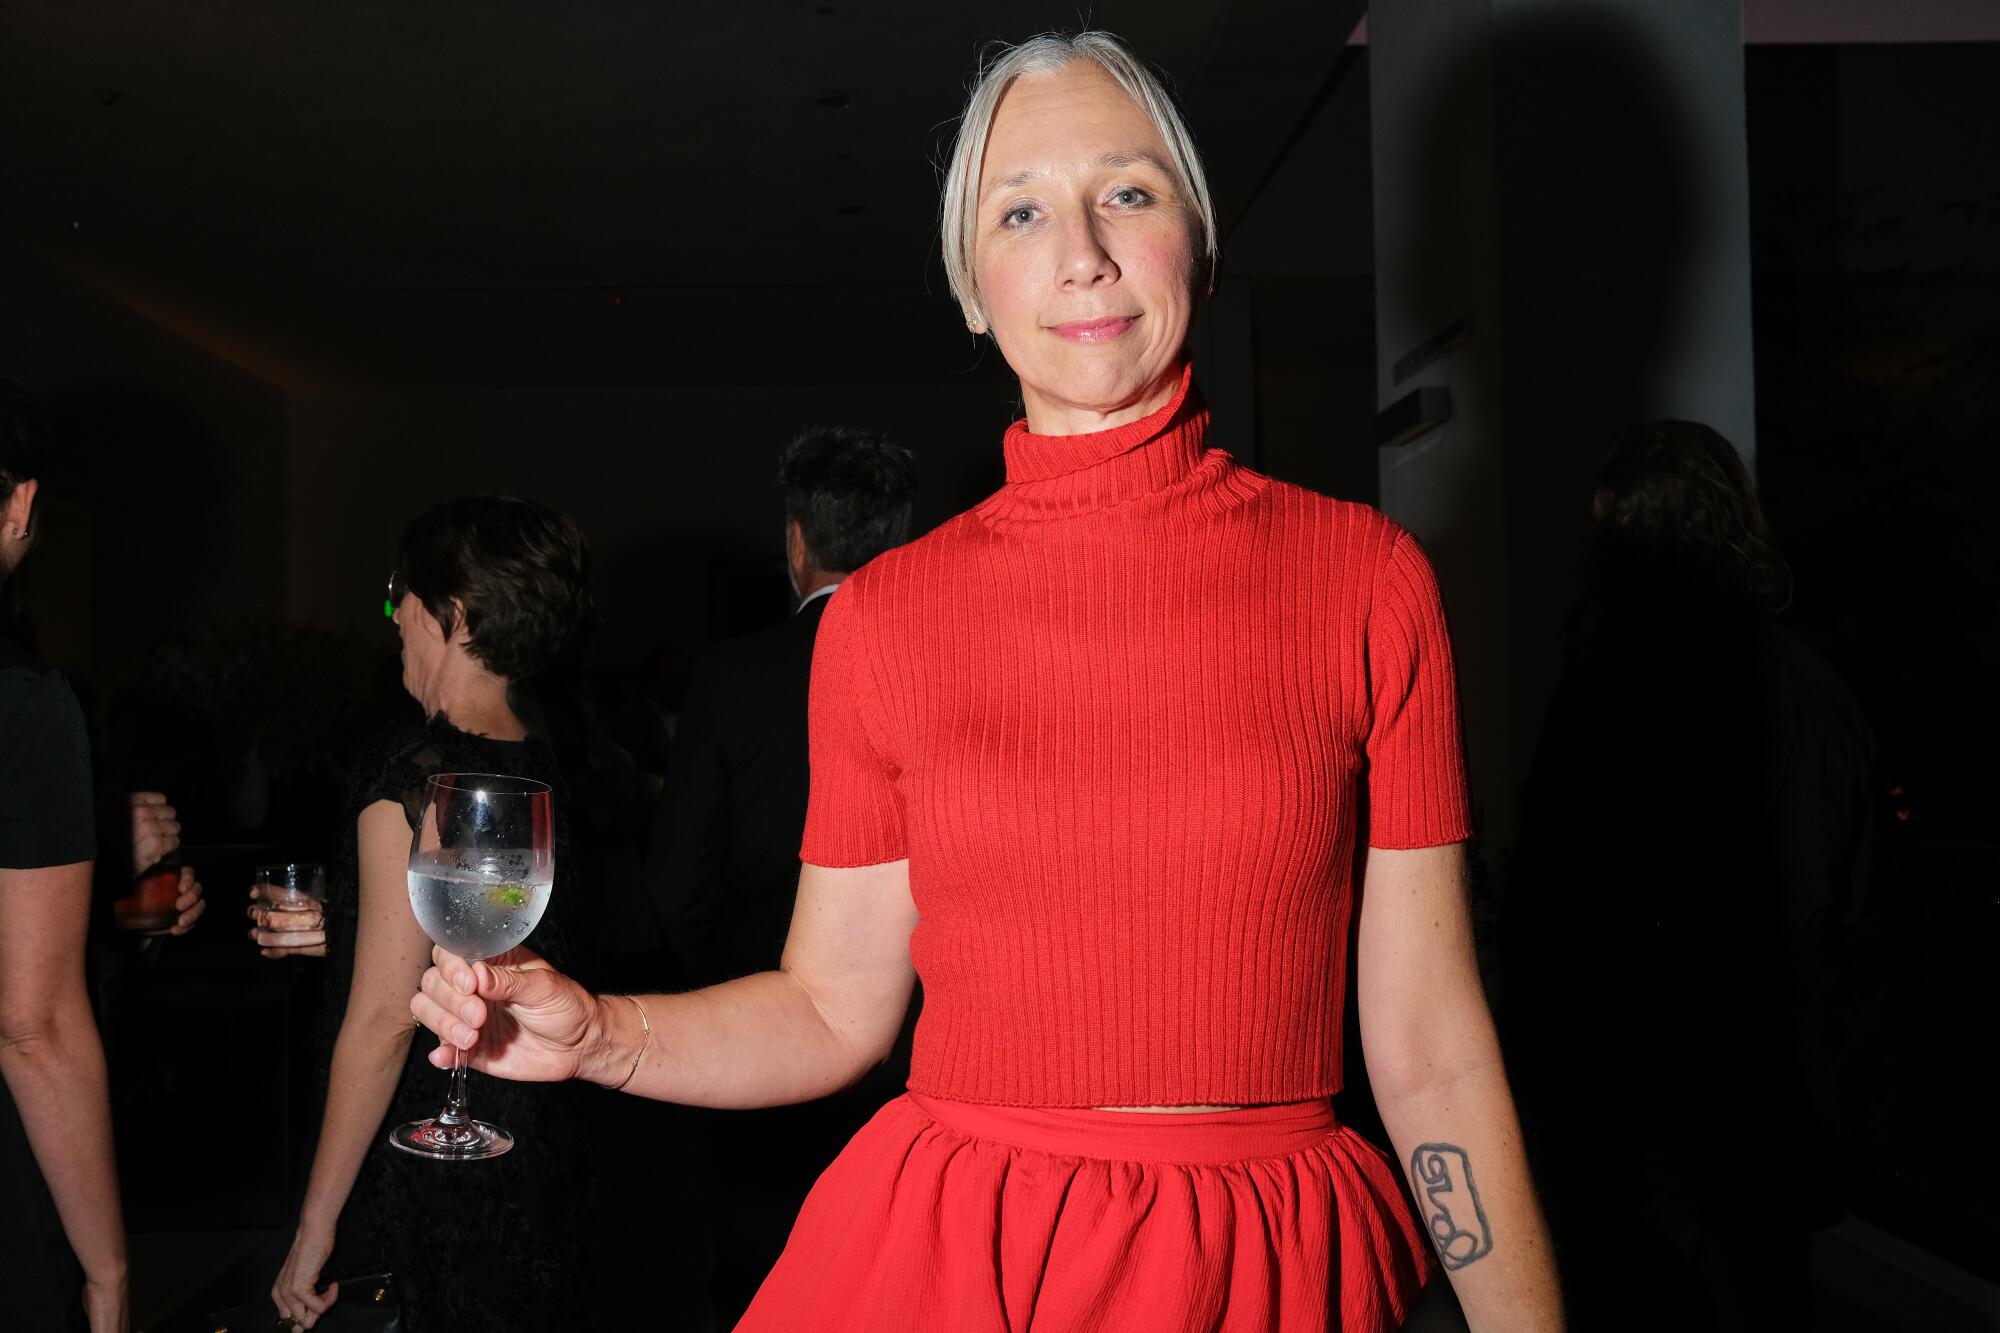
point(366, 1305)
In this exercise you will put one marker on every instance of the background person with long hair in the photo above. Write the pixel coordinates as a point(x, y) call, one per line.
point(1093, 758)
point(1694, 838)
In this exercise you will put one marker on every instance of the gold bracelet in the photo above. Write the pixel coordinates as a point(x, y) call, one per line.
point(647, 1024)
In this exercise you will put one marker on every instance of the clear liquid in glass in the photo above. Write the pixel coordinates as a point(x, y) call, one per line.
point(477, 905)
point(482, 863)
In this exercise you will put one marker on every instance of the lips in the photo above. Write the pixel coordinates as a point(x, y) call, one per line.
point(1094, 330)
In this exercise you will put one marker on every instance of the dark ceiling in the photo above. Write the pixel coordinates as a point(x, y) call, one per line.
point(521, 193)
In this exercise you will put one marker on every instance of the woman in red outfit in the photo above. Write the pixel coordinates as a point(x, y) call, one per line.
point(1095, 759)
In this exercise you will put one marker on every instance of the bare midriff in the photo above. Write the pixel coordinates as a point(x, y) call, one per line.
point(1166, 1110)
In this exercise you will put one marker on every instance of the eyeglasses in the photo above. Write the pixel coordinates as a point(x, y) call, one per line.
point(399, 588)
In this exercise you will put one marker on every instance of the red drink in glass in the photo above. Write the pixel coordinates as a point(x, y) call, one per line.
point(150, 905)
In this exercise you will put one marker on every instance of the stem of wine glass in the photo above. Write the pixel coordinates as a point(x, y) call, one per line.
point(454, 1101)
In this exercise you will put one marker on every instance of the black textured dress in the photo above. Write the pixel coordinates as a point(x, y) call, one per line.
point(501, 1244)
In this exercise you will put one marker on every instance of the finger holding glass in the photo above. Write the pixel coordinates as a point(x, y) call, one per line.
point(288, 910)
point(156, 829)
point(189, 904)
point(512, 1016)
point(482, 864)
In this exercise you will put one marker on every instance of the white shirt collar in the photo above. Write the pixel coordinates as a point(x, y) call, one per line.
point(815, 595)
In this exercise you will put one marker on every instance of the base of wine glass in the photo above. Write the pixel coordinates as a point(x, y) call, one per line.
point(467, 1141)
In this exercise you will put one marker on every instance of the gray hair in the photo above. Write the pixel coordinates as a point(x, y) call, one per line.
point(1047, 54)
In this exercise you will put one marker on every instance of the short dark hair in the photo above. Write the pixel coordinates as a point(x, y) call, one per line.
point(1676, 506)
point(851, 492)
point(519, 568)
point(24, 439)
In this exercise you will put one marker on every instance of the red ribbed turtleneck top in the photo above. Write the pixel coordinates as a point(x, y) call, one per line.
point(1125, 719)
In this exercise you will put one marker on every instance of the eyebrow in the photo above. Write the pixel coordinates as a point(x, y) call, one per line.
point(1129, 158)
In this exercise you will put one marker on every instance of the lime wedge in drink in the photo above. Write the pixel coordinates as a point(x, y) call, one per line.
point(507, 895)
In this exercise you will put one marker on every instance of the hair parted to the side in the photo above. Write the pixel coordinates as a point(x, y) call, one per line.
point(521, 570)
point(852, 493)
point(1046, 54)
point(1676, 506)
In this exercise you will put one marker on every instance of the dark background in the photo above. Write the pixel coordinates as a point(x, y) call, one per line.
point(285, 277)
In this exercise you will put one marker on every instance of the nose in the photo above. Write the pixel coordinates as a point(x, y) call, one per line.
point(1084, 262)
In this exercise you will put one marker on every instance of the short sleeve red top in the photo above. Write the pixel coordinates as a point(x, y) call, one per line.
point(1126, 719)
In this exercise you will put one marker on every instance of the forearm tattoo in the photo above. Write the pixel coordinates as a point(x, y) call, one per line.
point(1442, 1175)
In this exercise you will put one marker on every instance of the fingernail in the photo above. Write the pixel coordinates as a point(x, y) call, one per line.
point(462, 982)
point(461, 1036)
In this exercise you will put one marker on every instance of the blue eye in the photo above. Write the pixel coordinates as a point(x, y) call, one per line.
point(1130, 196)
point(1018, 216)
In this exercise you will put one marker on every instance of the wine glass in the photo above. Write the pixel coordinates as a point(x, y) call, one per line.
point(481, 866)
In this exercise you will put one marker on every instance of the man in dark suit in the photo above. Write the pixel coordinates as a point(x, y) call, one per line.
point(724, 866)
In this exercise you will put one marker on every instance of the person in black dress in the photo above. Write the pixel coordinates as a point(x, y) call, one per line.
point(488, 592)
point(1694, 835)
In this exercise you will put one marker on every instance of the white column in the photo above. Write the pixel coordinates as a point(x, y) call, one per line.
point(1562, 242)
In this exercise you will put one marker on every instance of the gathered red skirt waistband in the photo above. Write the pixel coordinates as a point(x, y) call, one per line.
point(1200, 1137)
point(954, 1215)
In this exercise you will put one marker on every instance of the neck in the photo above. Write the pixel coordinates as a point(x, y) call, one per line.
point(1064, 476)
point(816, 580)
point(1048, 415)
point(475, 702)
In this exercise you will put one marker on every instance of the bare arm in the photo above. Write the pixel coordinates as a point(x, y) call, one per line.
point(390, 953)
point(1435, 1064)
point(827, 1015)
point(53, 1061)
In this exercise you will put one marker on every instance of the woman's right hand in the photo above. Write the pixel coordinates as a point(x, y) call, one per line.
point(296, 1292)
point(107, 1305)
point(514, 1016)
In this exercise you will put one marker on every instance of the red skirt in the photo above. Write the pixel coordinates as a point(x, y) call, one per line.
point(952, 1216)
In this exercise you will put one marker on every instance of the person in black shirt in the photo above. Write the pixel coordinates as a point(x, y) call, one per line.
point(55, 1112)
point(724, 865)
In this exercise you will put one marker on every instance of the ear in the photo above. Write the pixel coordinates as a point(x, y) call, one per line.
point(795, 544)
point(460, 635)
point(21, 505)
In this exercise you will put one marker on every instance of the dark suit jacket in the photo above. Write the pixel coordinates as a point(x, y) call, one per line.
point(724, 866)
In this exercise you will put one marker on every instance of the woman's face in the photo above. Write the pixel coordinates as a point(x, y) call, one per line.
point(426, 649)
point(1083, 251)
